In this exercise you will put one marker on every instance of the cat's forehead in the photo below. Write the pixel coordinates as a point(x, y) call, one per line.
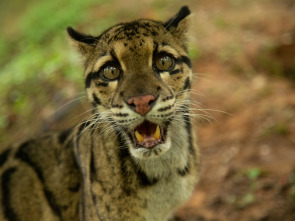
point(138, 38)
point(134, 30)
point(134, 42)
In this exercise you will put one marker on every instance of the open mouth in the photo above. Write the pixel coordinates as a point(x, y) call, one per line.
point(148, 135)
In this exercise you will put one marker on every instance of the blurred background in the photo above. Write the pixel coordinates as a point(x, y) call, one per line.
point(243, 55)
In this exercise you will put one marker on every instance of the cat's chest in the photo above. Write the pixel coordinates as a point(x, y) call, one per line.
point(165, 196)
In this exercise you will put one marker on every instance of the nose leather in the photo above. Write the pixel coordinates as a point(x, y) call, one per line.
point(142, 104)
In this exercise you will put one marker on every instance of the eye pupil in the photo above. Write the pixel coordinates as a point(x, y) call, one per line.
point(164, 63)
point(111, 72)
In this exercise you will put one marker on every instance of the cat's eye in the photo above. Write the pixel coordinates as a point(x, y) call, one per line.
point(111, 72)
point(164, 63)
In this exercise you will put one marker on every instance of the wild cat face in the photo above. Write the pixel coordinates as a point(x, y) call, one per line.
point(134, 74)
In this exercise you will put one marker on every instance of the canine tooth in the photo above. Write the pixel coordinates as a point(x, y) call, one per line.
point(138, 136)
point(157, 134)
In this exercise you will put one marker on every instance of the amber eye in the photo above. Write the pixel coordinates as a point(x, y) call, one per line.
point(164, 63)
point(111, 72)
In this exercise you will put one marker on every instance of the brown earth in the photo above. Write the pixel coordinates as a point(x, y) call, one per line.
point(248, 152)
point(248, 155)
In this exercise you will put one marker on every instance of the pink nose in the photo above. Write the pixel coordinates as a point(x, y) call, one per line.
point(141, 104)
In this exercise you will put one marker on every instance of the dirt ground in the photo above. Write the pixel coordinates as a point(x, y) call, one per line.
point(244, 63)
point(248, 155)
point(248, 141)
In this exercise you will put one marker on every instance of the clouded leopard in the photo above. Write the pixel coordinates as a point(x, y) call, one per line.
point(135, 158)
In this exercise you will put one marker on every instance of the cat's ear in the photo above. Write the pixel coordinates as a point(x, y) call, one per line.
point(84, 43)
point(179, 24)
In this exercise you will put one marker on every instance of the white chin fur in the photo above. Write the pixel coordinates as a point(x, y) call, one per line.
point(157, 151)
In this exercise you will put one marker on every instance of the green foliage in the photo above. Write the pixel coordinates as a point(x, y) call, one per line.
point(247, 199)
point(267, 62)
point(3, 47)
point(221, 23)
point(40, 41)
point(38, 51)
point(49, 17)
point(254, 173)
point(277, 128)
point(194, 52)
point(160, 4)
point(292, 193)
point(247, 196)
point(292, 187)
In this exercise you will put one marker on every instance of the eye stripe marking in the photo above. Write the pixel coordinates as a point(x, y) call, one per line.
point(90, 77)
point(186, 60)
point(176, 71)
point(101, 84)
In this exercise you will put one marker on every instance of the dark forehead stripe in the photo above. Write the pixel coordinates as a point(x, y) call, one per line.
point(155, 51)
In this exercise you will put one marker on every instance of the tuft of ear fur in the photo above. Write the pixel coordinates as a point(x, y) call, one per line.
point(84, 43)
point(179, 24)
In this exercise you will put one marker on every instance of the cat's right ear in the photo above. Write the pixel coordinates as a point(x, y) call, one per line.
point(84, 43)
point(179, 24)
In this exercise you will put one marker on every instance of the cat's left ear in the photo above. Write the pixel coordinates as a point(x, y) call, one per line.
point(179, 24)
point(84, 43)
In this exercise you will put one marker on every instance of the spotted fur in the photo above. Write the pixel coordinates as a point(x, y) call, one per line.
point(95, 171)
